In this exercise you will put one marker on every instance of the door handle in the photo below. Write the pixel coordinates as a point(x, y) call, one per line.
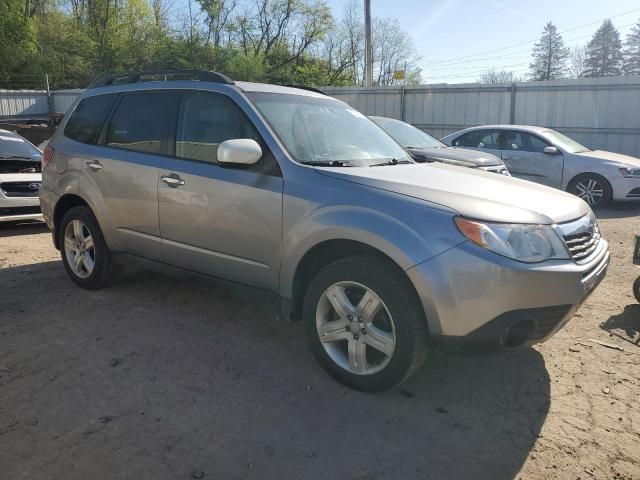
point(94, 165)
point(172, 180)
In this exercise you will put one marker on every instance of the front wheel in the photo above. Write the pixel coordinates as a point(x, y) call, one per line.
point(364, 323)
point(636, 289)
point(592, 188)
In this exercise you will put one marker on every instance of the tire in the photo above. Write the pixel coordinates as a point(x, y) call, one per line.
point(592, 188)
point(96, 256)
point(636, 289)
point(397, 326)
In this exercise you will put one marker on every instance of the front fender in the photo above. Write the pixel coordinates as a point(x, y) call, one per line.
point(406, 246)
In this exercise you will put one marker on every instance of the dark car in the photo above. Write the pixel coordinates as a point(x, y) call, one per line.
point(424, 148)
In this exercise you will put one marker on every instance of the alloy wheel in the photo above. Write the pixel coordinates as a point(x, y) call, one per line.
point(79, 248)
point(355, 328)
point(590, 190)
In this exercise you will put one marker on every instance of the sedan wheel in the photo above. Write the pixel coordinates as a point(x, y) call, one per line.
point(79, 249)
point(355, 328)
point(592, 188)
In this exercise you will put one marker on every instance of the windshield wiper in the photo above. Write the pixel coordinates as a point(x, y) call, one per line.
point(393, 161)
point(329, 163)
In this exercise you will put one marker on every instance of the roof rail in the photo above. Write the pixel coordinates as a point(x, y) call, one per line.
point(311, 89)
point(135, 77)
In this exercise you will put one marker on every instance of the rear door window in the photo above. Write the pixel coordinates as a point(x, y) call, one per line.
point(87, 118)
point(479, 139)
point(142, 121)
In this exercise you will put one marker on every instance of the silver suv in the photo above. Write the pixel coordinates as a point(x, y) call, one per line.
point(292, 191)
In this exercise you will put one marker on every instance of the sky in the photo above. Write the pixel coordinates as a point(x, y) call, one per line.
point(458, 40)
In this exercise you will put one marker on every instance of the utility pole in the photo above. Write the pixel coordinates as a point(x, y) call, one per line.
point(368, 53)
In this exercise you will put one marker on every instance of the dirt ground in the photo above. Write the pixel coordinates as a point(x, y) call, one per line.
point(162, 377)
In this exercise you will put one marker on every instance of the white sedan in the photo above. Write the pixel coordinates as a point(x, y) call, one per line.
point(20, 178)
point(545, 156)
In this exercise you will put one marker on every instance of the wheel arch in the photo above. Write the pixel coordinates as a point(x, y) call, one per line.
point(582, 174)
point(325, 253)
point(63, 205)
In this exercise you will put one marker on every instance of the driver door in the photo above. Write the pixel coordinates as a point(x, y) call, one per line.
point(219, 220)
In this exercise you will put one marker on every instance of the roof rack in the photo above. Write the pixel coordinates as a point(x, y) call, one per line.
point(135, 77)
point(311, 89)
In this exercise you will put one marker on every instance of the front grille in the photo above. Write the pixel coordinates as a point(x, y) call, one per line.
point(10, 211)
point(581, 237)
point(20, 189)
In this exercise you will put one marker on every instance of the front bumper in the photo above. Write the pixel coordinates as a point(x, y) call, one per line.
point(625, 189)
point(473, 297)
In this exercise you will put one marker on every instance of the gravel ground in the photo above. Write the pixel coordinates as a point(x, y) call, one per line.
point(165, 377)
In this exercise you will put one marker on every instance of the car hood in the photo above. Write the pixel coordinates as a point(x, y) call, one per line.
point(456, 156)
point(472, 193)
point(613, 157)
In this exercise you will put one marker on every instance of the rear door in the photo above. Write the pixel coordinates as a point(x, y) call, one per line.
point(120, 175)
point(523, 154)
point(220, 220)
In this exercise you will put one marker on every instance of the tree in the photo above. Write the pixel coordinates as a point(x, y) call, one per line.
point(549, 55)
point(604, 52)
point(631, 52)
point(493, 76)
point(577, 60)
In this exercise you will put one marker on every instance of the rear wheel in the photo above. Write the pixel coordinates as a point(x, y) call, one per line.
point(636, 289)
point(364, 323)
point(84, 252)
point(592, 188)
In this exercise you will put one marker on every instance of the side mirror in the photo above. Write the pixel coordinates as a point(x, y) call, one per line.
point(551, 150)
point(241, 151)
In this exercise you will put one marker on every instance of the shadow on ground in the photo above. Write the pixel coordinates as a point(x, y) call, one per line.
point(627, 321)
point(619, 210)
point(13, 229)
point(167, 378)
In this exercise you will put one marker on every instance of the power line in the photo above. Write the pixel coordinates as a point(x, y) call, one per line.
point(456, 59)
point(488, 66)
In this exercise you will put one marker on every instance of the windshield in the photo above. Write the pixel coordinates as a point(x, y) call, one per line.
point(324, 130)
point(15, 147)
point(564, 142)
point(407, 135)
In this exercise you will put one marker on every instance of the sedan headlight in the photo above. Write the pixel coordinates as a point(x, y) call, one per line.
point(630, 172)
point(523, 242)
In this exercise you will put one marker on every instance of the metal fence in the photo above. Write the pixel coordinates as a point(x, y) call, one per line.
point(35, 103)
point(602, 113)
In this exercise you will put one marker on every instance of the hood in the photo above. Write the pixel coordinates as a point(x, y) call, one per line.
point(456, 156)
point(613, 157)
point(472, 193)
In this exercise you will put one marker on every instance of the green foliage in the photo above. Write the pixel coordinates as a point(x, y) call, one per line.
point(604, 52)
point(18, 39)
point(631, 52)
point(549, 55)
point(277, 41)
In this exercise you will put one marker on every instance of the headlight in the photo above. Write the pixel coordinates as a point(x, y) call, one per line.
point(630, 172)
point(525, 243)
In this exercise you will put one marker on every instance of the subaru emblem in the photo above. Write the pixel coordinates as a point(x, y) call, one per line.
point(34, 186)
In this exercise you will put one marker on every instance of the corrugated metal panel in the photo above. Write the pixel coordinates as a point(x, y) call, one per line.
point(63, 99)
point(23, 103)
point(602, 113)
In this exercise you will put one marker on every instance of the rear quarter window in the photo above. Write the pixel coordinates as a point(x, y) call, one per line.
point(87, 118)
